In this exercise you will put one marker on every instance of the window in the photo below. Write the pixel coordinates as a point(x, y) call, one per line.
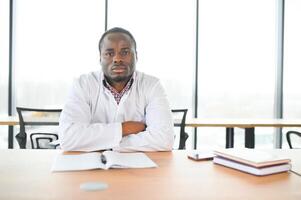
point(292, 62)
point(165, 34)
point(236, 66)
point(55, 42)
point(4, 62)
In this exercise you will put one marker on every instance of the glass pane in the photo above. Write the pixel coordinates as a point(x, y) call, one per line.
point(292, 62)
point(236, 65)
point(165, 34)
point(55, 42)
point(4, 61)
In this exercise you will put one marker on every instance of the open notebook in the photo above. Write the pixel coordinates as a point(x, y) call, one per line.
point(104, 160)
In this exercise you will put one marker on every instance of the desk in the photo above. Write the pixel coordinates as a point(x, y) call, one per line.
point(14, 120)
point(11, 121)
point(25, 174)
point(248, 124)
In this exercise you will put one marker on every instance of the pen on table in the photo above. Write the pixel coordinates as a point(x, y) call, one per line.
point(103, 159)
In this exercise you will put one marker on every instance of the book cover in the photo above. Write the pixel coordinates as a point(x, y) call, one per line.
point(252, 157)
point(252, 170)
point(104, 160)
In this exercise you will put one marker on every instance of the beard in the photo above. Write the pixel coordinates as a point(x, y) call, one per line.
point(119, 79)
point(112, 77)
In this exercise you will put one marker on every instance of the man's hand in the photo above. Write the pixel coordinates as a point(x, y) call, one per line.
point(132, 127)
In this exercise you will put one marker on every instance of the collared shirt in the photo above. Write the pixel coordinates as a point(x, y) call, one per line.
point(91, 120)
point(118, 95)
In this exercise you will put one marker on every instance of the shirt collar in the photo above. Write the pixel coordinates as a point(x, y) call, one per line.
point(108, 86)
point(118, 95)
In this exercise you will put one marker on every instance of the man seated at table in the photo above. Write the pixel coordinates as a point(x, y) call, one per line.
point(117, 108)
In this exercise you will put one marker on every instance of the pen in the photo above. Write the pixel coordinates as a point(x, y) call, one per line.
point(103, 159)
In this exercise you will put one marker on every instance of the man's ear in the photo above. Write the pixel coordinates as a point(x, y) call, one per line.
point(136, 56)
point(99, 56)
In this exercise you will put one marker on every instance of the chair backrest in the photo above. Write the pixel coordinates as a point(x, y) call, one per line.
point(289, 135)
point(183, 134)
point(34, 119)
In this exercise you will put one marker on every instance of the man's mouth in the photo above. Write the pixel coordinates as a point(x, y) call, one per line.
point(119, 69)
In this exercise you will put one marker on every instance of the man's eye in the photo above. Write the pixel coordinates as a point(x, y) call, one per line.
point(125, 53)
point(109, 54)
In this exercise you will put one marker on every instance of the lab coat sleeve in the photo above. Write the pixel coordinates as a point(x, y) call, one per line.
point(159, 134)
point(76, 132)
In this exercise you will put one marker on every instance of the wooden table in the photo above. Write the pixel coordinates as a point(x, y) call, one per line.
point(25, 174)
point(11, 121)
point(14, 120)
point(248, 124)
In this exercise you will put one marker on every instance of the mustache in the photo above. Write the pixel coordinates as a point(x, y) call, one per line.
point(118, 66)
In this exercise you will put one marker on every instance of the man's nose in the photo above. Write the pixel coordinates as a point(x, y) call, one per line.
point(117, 58)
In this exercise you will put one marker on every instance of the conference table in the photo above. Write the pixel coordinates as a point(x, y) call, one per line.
point(247, 124)
point(12, 121)
point(9, 120)
point(25, 174)
point(231, 123)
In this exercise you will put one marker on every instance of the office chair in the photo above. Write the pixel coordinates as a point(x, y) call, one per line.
point(33, 119)
point(183, 134)
point(288, 137)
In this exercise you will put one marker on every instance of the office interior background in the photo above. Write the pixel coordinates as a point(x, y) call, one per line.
point(218, 58)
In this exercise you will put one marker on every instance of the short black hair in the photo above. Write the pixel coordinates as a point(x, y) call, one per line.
point(116, 30)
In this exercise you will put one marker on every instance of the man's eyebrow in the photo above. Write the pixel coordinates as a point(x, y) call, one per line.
point(109, 49)
point(126, 48)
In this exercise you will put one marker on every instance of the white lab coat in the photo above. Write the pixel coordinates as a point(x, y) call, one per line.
point(91, 119)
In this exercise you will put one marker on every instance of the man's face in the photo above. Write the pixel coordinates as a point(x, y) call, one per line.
point(118, 57)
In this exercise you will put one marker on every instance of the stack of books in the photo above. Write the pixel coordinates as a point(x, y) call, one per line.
point(252, 161)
